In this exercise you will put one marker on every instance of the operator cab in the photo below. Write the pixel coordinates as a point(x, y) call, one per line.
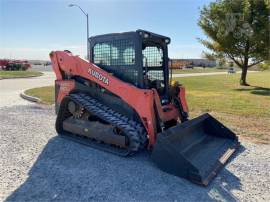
point(139, 58)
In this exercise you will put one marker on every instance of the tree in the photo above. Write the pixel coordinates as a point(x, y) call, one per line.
point(237, 30)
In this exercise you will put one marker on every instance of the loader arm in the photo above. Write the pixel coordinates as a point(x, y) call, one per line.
point(141, 100)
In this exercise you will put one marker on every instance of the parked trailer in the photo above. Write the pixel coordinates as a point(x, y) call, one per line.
point(178, 64)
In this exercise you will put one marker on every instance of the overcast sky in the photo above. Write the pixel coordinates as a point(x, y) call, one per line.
point(30, 29)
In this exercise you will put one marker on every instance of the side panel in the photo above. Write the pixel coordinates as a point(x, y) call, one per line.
point(62, 88)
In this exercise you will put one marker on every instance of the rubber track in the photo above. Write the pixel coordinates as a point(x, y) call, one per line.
point(133, 130)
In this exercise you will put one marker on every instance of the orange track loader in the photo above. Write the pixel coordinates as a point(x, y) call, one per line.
point(122, 101)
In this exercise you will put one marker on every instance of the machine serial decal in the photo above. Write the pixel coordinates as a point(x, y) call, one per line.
point(98, 76)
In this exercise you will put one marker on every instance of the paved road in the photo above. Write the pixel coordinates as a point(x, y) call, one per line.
point(10, 89)
point(42, 68)
point(204, 74)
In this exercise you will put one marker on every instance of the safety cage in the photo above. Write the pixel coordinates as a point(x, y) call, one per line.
point(139, 57)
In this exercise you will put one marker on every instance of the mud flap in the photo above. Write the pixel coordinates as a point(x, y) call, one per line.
point(195, 149)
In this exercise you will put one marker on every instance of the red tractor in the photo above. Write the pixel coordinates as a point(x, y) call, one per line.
point(14, 65)
point(123, 101)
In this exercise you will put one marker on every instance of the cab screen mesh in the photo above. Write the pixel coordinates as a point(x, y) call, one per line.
point(118, 58)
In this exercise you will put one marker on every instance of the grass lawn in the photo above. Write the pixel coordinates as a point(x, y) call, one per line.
point(19, 74)
point(244, 109)
point(46, 94)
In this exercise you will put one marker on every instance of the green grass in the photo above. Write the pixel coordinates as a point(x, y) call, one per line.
point(222, 93)
point(45, 94)
point(19, 74)
point(244, 109)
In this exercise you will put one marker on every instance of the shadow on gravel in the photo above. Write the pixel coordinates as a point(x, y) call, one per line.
point(67, 171)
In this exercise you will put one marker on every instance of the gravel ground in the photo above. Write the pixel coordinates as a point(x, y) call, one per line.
point(37, 165)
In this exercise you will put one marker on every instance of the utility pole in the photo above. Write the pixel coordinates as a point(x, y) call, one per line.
point(87, 28)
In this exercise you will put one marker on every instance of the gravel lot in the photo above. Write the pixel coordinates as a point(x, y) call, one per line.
point(36, 165)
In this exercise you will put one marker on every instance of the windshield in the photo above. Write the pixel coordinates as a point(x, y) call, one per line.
point(153, 67)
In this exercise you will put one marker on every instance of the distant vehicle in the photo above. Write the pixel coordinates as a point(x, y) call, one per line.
point(231, 70)
point(47, 63)
point(190, 66)
point(14, 65)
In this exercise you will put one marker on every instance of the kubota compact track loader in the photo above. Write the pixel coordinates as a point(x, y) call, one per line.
point(123, 101)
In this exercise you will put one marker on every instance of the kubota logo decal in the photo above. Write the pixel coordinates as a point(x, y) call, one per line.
point(98, 76)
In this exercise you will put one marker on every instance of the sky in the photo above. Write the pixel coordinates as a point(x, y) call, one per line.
point(30, 29)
